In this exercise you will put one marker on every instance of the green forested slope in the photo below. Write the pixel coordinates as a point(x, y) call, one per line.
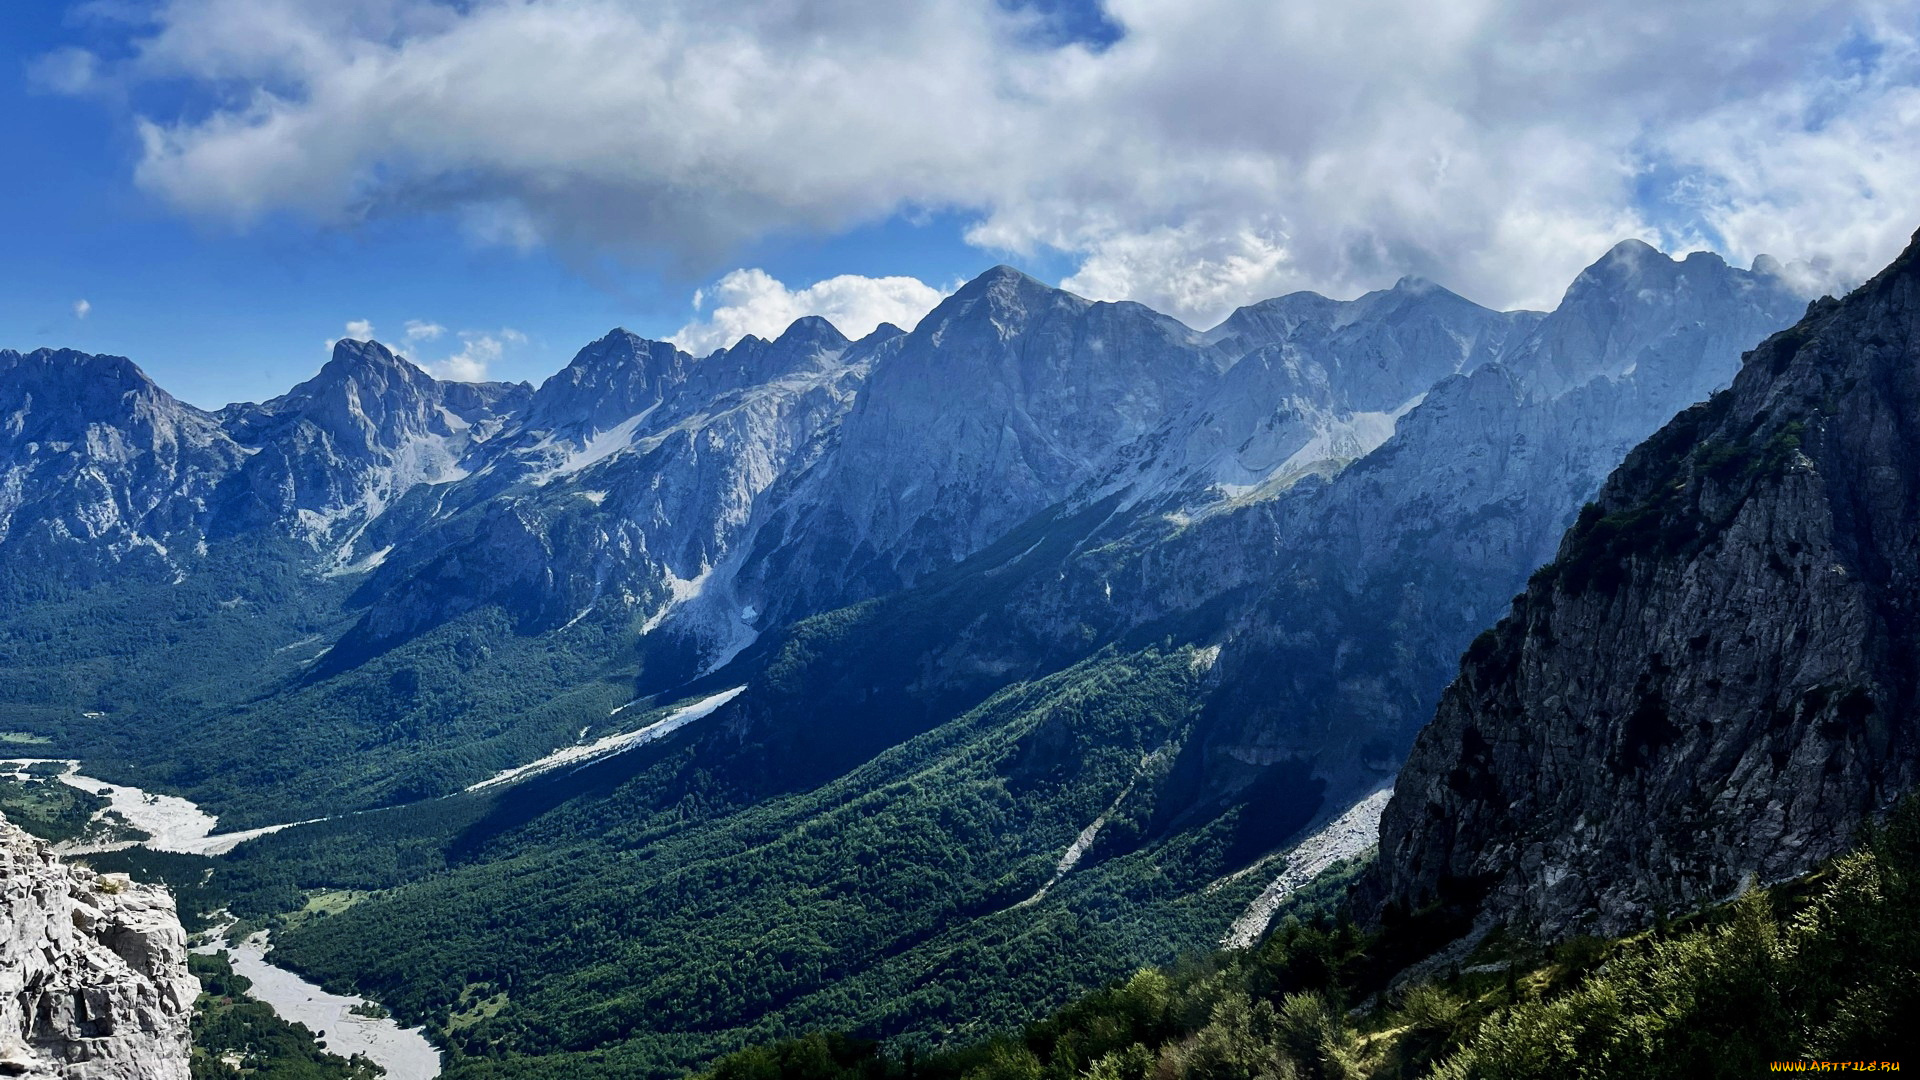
point(211, 691)
point(629, 922)
point(1822, 969)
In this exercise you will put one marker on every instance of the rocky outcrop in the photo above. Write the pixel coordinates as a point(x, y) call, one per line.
point(93, 971)
point(1715, 680)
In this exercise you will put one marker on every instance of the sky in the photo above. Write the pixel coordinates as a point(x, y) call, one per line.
point(220, 188)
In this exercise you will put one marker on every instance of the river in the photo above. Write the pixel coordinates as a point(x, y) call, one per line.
point(404, 1052)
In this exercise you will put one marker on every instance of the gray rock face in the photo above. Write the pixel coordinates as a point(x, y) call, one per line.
point(93, 972)
point(1339, 605)
point(331, 455)
point(100, 467)
point(1311, 385)
point(629, 487)
point(1004, 399)
point(1715, 680)
point(103, 469)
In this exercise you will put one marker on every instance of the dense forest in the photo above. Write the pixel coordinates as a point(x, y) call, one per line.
point(1817, 969)
point(607, 912)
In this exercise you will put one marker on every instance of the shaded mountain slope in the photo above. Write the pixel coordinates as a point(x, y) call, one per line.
point(1714, 681)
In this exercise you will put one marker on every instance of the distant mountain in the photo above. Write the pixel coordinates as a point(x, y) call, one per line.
point(1355, 481)
point(625, 490)
point(101, 468)
point(329, 457)
point(1712, 683)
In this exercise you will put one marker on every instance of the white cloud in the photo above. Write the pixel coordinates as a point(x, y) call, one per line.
point(753, 302)
point(64, 71)
point(479, 349)
point(1221, 150)
point(82, 308)
point(356, 330)
point(422, 330)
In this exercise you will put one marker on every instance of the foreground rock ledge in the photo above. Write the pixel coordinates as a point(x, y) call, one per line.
point(93, 971)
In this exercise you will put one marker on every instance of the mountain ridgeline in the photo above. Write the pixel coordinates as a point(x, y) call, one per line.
point(1052, 620)
point(1713, 684)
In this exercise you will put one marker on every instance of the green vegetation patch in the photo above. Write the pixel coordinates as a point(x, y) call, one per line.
point(48, 808)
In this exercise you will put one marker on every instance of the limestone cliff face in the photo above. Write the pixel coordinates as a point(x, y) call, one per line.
point(93, 972)
point(1716, 679)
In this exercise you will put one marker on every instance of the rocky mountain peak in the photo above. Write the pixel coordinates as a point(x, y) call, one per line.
point(613, 378)
point(56, 394)
point(365, 397)
point(1639, 313)
point(353, 358)
point(116, 373)
point(812, 331)
point(1002, 297)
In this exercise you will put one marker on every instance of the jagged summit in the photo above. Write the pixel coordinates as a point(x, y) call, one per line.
point(609, 380)
point(1003, 276)
point(811, 330)
point(1630, 251)
point(97, 377)
point(1631, 313)
point(1010, 295)
point(352, 354)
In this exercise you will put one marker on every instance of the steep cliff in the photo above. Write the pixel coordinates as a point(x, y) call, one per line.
point(93, 972)
point(1714, 682)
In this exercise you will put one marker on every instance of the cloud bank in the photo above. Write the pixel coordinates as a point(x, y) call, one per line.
point(753, 302)
point(1218, 151)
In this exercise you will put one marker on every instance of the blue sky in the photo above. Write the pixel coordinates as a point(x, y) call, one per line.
point(217, 313)
point(228, 184)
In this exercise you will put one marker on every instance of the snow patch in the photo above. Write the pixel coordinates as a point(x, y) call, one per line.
point(679, 591)
point(599, 447)
point(1342, 838)
point(614, 744)
point(368, 563)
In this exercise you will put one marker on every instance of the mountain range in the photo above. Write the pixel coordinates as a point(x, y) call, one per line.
point(1044, 628)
